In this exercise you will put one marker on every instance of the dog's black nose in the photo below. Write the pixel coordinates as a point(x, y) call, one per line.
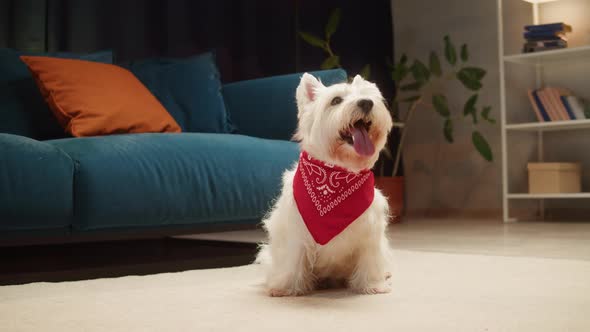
point(365, 104)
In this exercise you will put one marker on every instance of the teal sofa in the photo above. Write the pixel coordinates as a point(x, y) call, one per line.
point(119, 186)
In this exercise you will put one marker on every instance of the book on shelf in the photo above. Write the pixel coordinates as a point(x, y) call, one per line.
point(546, 43)
point(557, 104)
point(534, 47)
point(550, 35)
point(580, 107)
point(560, 26)
point(568, 101)
point(540, 112)
point(548, 105)
point(554, 96)
point(545, 37)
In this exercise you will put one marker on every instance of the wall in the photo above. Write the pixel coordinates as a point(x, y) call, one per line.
point(573, 12)
point(451, 179)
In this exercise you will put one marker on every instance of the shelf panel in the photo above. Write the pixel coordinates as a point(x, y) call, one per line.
point(548, 57)
point(548, 196)
point(550, 126)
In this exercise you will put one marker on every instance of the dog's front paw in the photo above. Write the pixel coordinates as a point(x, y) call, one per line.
point(279, 292)
point(276, 292)
point(375, 287)
point(371, 290)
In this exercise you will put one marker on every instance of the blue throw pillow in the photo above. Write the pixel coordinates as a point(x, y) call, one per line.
point(22, 108)
point(189, 89)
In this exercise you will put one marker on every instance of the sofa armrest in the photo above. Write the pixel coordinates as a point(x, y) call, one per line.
point(36, 185)
point(266, 107)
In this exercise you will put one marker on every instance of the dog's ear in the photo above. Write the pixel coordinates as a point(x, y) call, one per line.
point(357, 79)
point(307, 89)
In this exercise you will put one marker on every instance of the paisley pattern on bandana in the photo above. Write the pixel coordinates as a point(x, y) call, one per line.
point(330, 198)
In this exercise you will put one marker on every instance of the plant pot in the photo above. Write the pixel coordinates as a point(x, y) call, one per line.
point(393, 189)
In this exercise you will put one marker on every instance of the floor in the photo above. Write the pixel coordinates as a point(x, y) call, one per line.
point(92, 260)
point(20, 265)
point(448, 275)
point(430, 291)
point(487, 237)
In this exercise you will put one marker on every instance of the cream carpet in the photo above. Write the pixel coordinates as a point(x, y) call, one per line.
point(431, 292)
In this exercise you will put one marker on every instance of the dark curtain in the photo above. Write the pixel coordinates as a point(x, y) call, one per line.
point(23, 24)
point(251, 38)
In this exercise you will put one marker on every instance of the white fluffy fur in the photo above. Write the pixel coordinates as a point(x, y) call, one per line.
point(295, 264)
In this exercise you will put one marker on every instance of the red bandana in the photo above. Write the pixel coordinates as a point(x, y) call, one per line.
point(330, 198)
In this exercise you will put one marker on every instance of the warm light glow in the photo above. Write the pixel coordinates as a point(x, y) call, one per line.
point(539, 1)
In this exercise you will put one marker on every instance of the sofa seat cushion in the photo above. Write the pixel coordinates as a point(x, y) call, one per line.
point(36, 185)
point(147, 180)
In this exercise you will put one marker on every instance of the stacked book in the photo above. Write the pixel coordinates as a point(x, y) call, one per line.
point(545, 37)
point(558, 104)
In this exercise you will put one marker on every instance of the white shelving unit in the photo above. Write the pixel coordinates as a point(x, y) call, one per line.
point(548, 196)
point(549, 126)
point(550, 57)
point(534, 63)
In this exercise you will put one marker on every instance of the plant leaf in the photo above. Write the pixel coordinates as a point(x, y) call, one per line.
point(420, 71)
point(469, 80)
point(411, 86)
point(586, 106)
point(470, 109)
point(470, 104)
point(331, 62)
point(435, 64)
point(410, 99)
point(399, 72)
point(403, 59)
point(450, 52)
point(476, 72)
point(366, 71)
point(333, 23)
point(482, 146)
point(312, 40)
point(464, 53)
point(448, 130)
point(440, 105)
point(485, 113)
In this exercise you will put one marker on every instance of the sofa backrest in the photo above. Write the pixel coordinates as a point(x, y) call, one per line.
point(189, 88)
point(22, 108)
point(266, 107)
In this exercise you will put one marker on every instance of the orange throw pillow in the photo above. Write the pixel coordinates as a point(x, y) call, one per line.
point(90, 98)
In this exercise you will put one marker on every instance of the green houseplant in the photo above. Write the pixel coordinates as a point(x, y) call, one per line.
point(418, 86)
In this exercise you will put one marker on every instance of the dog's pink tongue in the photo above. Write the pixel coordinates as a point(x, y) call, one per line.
point(361, 142)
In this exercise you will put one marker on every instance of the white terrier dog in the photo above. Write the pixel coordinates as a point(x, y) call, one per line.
point(329, 222)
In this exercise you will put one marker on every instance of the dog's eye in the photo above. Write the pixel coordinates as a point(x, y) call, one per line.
point(336, 101)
